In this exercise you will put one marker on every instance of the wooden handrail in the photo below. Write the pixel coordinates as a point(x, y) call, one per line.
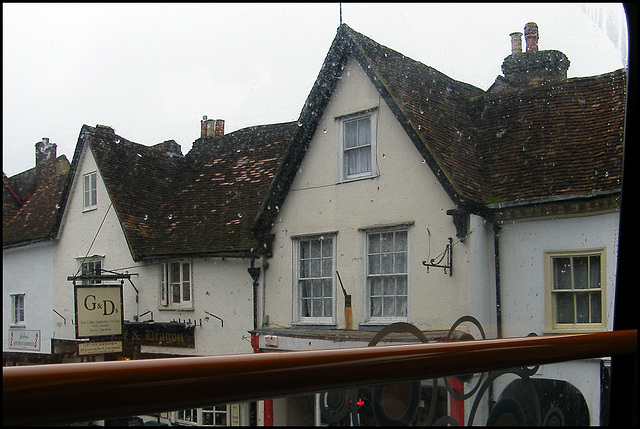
point(76, 392)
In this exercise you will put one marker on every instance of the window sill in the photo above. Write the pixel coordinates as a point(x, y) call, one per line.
point(357, 178)
point(176, 309)
point(89, 209)
point(384, 322)
point(571, 330)
point(310, 323)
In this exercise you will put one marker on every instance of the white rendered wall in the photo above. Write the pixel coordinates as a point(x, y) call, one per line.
point(405, 191)
point(221, 287)
point(29, 270)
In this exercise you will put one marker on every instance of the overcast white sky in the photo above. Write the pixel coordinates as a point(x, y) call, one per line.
point(151, 71)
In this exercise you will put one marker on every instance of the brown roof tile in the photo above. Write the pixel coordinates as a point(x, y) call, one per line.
point(556, 139)
point(203, 203)
point(38, 218)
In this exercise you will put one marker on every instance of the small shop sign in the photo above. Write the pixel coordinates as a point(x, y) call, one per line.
point(23, 339)
point(99, 311)
point(99, 347)
point(169, 334)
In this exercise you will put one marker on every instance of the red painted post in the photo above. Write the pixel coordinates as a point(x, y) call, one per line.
point(457, 405)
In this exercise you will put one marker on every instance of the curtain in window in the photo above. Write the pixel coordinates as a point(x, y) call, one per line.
point(357, 146)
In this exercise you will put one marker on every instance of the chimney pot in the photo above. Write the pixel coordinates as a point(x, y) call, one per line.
point(531, 36)
point(219, 127)
point(211, 127)
point(516, 42)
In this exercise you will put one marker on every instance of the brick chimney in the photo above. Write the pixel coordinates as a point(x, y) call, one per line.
point(516, 42)
point(211, 127)
point(531, 36)
point(46, 154)
point(532, 67)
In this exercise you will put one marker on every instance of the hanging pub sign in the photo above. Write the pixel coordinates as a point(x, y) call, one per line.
point(99, 311)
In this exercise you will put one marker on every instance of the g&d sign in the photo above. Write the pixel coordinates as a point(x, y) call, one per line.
point(99, 311)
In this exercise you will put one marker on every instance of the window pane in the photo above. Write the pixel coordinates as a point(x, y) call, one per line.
point(328, 310)
point(305, 309)
point(594, 272)
point(376, 307)
point(175, 272)
point(401, 306)
point(564, 308)
point(327, 267)
point(386, 242)
point(364, 132)
point(374, 243)
point(389, 286)
point(386, 265)
point(315, 249)
point(358, 160)
point(327, 293)
point(316, 286)
point(388, 306)
point(186, 291)
point(207, 418)
point(327, 248)
point(596, 307)
point(185, 272)
point(221, 418)
point(561, 273)
point(304, 269)
point(175, 288)
point(401, 285)
point(87, 192)
point(376, 286)
point(580, 273)
point(582, 307)
point(374, 264)
point(315, 268)
point(317, 307)
point(305, 288)
point(350, 134)
point(400, 263)
point(305, 251)
point(401, 241)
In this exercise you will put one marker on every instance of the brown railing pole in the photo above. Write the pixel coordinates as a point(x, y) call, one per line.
point(65, 393)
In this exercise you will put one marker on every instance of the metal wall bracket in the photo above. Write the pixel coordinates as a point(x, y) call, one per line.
point(447, 256)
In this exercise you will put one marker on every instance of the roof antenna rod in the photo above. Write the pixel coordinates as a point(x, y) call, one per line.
point(340, 13)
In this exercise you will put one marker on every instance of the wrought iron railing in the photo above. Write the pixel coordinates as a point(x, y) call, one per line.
point(77, 392)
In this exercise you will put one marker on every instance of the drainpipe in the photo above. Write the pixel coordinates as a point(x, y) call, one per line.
point(254, 272)
point(496, 249)
point(496, 253)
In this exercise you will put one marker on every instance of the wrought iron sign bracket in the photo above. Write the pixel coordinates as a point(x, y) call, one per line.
point(447, 256)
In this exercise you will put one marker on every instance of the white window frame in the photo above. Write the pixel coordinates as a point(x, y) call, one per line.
point(372, 115)
point(298, 279)
point(89, 264)
point(17, 309)
point(551, 292)
point(368, 276)
point(90, 191)
point(184, 281)
point(199, 413)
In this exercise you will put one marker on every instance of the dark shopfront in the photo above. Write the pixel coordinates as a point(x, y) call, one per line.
point(135, 335)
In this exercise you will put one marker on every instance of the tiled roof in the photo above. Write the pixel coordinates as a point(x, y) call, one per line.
point(203, 203)
point(557, 139)
point(38, 218)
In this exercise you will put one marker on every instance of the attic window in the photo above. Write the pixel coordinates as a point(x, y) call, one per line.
point(357, 143)
point(90, 190)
